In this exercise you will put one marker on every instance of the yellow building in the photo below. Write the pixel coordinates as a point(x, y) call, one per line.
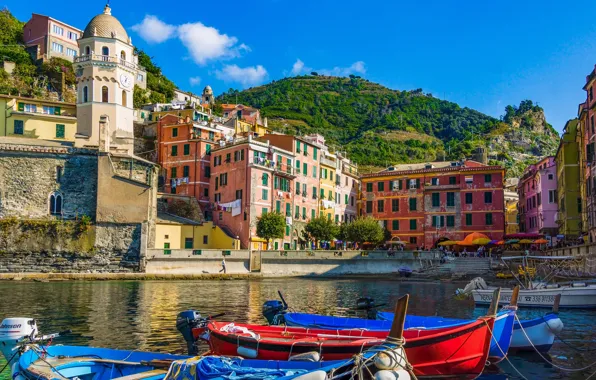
point(174, 232)
point(568, 183)
point(40, 119)
point(328, 195)
point(242, 127)
point(511, 214)
point(193, 114)
point(580, 139)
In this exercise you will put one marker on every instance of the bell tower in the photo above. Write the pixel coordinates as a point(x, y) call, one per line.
point(106, 70)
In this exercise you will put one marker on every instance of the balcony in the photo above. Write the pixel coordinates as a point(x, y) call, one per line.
point(328, 161)
point(284, 170)
point(108, 59)
point(441, 187)
point(349, 169)
point(263, 162)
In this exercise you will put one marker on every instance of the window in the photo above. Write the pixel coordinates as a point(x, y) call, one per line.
point(552, 196)
point(47, 110)
point(71, 52)
point(469, 198)
point(314, 192)
point(412, 204)
point(550, 176)
point(468, 219)
point(105, 51)
point(346, 201)
point(314, 172)
point(351, 201)
point(539, 198)
point(205, 192)
point(288, 209)
point(450, 199)
point(436, 199)
point(57, 47)
point(223, 179)
point(488, 197)
point(27, 107)
point(394, 205)
point(265, 195)
point(264, 211)
point(19, 128)
point(188, 243)
point(297, 146)
point(331, 176)
point(450, 220)
point(413, 240)
point(104, 94)
point(488, 178)
point(381, 205)
point(59, 131)
point(304, 190)
point(186, 149)
point(85, 94)
point(381, 186)
point(369, 207)
point(304, 213)
point(122, 55)
point(489, 219)
point(452, 180)
point(305, 149)
point(73, 36)
point(239, 194)
point(314, 153)
point(265, 180)
point(57, 30)
point(395, 225)
point(434, 181)
point(55, 203)
point(312, 213)
point(87, 50)
point(185, 171)
point(174, 132)
point(124, 98)
point(415, 183)
point(305, 169)
point(174, 150)
point(579, 205)
point(412, 224)
point(58, 174)
point(173, 173)
point(322, 193)
point(369, 186)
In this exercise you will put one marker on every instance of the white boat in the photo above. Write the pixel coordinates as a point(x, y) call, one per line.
point(535, 334)
point(576, 295)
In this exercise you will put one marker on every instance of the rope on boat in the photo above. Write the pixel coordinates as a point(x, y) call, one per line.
point(548, 361)
point(505, 354)
point(564, 342)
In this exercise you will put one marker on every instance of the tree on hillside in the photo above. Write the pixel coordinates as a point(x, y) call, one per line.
point(56, 65)
point(271, 226)
point(11, 29)
point(321, 228)
point(365, 230)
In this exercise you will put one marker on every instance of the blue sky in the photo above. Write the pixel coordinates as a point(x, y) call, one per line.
point(480, 54)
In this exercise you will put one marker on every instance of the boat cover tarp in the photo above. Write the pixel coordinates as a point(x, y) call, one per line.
point(228, 368)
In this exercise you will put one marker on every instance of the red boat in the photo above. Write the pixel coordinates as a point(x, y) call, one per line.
point(459, 351)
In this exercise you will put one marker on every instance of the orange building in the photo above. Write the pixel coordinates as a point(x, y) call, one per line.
point(184, 152)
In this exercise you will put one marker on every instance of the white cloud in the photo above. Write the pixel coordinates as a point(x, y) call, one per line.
point(246, 76)
point(205, 43)
point(153, 30)
point(356, 68)
point(194, 81)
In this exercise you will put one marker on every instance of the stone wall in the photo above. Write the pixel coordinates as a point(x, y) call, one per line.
point(28, 178)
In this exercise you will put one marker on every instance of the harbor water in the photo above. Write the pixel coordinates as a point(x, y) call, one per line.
point(141, 315)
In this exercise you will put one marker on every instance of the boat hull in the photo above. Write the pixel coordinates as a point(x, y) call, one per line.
point(541, 331)
point(571, 297)
point(459, 351)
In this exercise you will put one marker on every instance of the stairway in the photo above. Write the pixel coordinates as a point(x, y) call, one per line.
point(465, 266)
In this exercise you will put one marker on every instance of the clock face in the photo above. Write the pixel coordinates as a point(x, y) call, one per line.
point(125, 80)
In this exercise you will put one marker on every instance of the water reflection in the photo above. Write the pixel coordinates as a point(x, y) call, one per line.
point(141, 315)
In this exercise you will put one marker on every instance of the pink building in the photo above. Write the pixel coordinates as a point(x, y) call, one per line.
point(250, 177)
point(52, 37)
point(538, 204)
point(587, 116)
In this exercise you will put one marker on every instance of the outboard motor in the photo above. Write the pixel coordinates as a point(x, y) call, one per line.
point(12, 330)
point(186, 321)
point(367, 304)
point(273, 311)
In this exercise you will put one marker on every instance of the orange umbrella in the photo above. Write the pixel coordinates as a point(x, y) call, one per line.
point(468, 240)
point(541, 241)
point(501, 242)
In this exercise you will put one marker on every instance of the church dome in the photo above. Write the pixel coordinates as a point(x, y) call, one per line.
point(208, 90)
point(106, 25)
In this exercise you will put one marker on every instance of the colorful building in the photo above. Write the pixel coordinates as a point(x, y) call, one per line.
point(422, 204)
point(328, 197)
point(240, 111)
point(511, 212)
point(581, 140)
point(537, 190)
point(184, 153)
point(52, 37)
point(174, 232)
point(40, 119)
point(569, 200)
point(251, 177)
point(588, 120)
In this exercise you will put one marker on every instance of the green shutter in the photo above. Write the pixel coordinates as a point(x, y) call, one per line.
point(57, 111)
point(186, 149)
point(59, 131)
point(434, 221)
point(314, 153)
point(418, 183)
point(413, 224)
point(400, 184)
point(395, 225)
point(312, 213)
point(288, 209)
point(21, 106)
point(278, 206)
point(346, 198)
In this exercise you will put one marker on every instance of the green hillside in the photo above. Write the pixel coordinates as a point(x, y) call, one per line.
point(378, 126)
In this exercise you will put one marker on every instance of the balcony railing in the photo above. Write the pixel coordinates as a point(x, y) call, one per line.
point(109, 59)
point(264, 162)
point(348, 169)
point(283, 169)
point(327, 161)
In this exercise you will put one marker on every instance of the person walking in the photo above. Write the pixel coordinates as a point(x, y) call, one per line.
point(223, 265)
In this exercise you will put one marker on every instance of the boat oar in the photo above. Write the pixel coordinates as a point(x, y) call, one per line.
point(514, 296)
point(556, 303)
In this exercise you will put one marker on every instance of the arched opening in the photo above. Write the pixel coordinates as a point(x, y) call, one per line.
point(105, 52)
point(55, 203)
point(87, 50)
point(124, 98)
point(104, 94)
point(123, 55)
point(85, 94)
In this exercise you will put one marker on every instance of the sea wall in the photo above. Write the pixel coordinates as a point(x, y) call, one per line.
point(284, 263)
